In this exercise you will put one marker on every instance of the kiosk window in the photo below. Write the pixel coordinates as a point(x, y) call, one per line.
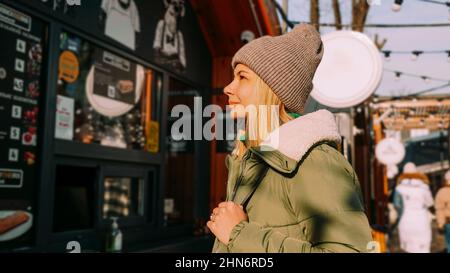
point(123, 197)
point(103, 98)
point(74, 198)
point(180, 158)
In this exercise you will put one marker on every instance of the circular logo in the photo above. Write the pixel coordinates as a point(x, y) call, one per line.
point(350, 70)
point(390, 151)
point(69, 67)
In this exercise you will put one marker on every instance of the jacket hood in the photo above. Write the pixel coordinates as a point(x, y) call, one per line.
point(288, 145)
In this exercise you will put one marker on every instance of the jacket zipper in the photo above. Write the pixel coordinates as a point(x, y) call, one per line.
point(239, 179)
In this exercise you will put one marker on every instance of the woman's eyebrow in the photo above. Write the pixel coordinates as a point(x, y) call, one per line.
point(242, 72)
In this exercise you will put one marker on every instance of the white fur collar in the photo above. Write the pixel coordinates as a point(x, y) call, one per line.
point(296, 137)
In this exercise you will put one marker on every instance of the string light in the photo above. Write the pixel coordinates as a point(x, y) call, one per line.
point(447, 3)
point(397, 6)
point(415, 55)
point(387, 55)
point(426, 79)
point(398, 75)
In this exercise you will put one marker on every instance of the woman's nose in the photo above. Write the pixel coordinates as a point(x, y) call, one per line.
point(228, 90)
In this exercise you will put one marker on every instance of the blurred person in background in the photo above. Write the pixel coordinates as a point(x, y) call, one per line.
point(442, 205)
point(413, 200)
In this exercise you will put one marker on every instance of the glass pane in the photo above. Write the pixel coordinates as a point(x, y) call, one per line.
point(180, 158)
point(74, 198)
point(103, 98)
point(123, 197)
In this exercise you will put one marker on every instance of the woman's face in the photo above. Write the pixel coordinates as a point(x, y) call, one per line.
point(241, 91)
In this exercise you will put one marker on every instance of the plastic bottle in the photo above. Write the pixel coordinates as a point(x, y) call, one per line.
point(114, 238)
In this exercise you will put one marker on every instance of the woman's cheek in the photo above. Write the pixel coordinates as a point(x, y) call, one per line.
point(243, 94)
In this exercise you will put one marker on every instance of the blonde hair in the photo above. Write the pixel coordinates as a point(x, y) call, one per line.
point(268, 114)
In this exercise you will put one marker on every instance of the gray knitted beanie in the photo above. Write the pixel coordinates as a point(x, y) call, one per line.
point(286, 63)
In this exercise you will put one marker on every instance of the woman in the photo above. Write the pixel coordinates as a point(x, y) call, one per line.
point(442, 205)
point(289, 189)
point(413, 199)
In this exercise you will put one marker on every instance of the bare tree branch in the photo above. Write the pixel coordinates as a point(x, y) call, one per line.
point(315, 14)
point(285, 9)
point(378, 43)
point(337, 14)
point(360, 8)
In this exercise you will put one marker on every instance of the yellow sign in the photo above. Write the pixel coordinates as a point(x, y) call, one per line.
point(152, 133)
point(69, 67)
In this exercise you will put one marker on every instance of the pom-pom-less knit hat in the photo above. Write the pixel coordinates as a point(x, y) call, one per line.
point(286, 63)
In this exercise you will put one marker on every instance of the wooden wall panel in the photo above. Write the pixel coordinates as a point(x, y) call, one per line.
point(222, 73)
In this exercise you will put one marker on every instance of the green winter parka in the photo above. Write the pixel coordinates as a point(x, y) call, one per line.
point(299, 192)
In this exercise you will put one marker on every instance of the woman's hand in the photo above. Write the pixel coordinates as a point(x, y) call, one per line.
point(224, 218)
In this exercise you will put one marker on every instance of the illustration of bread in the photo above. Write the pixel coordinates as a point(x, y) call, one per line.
point(125, 86)
point(12, 221)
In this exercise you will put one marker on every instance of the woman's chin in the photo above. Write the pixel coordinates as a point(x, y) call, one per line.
point(236, 111)
point(236, 114)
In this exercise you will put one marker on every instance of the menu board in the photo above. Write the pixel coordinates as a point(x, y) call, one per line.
point(114, 77)
point(21, 52)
